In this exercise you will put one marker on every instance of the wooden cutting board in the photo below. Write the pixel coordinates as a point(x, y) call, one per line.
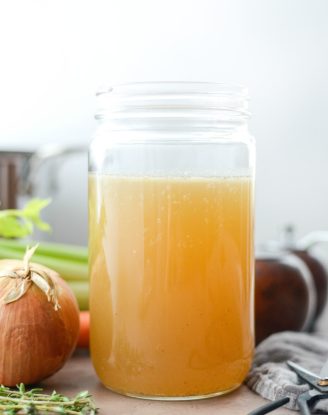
point(78, 374)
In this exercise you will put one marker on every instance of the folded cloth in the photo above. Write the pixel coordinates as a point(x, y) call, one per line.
point(270, 376)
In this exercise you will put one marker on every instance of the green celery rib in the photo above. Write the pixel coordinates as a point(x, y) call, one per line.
point(70, 261)
point(68, 269)
point(51, 249)
point(81, 291)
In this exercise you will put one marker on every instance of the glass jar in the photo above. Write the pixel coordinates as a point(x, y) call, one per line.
point(171, 240)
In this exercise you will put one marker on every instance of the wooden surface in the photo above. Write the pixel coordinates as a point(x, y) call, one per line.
point(78, 375)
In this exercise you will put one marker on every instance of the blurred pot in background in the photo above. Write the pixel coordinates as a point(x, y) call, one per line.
point(19, 171)
point(13, 166)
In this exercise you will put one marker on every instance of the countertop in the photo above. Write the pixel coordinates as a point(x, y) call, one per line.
point(78, 374)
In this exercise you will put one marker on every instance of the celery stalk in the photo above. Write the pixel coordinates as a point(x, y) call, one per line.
point(71, 262)
point(71, 268)
point(63, 251)
point(68, 269)
point(81, 291)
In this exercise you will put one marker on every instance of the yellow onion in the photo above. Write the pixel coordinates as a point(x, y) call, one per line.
point(39, 321)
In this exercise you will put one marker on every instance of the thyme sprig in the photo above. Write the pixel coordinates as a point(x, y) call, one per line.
point(34, 402)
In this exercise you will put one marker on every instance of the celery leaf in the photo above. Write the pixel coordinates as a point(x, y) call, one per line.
point(15, 223)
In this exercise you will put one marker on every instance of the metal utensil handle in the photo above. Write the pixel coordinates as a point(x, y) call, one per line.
point(269, 407)
point(308, 399)
point(303, 406)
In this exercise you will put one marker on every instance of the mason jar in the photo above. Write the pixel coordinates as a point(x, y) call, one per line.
point(171, 240)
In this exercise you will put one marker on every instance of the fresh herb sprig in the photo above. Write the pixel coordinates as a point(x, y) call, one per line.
point(19, 223)
point(34, 402)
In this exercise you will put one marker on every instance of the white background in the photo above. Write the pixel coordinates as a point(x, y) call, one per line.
point(54, 55)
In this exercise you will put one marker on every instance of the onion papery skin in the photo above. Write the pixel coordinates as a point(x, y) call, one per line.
point(35, 339)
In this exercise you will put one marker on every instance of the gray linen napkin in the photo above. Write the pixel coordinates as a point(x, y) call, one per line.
point(270, 376)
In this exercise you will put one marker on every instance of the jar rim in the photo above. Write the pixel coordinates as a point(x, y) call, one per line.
point(174, 87)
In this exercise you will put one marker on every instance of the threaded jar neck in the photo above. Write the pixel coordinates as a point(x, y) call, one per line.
point(165, 106)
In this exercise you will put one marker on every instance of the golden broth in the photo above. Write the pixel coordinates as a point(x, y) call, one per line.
point(171, 263)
